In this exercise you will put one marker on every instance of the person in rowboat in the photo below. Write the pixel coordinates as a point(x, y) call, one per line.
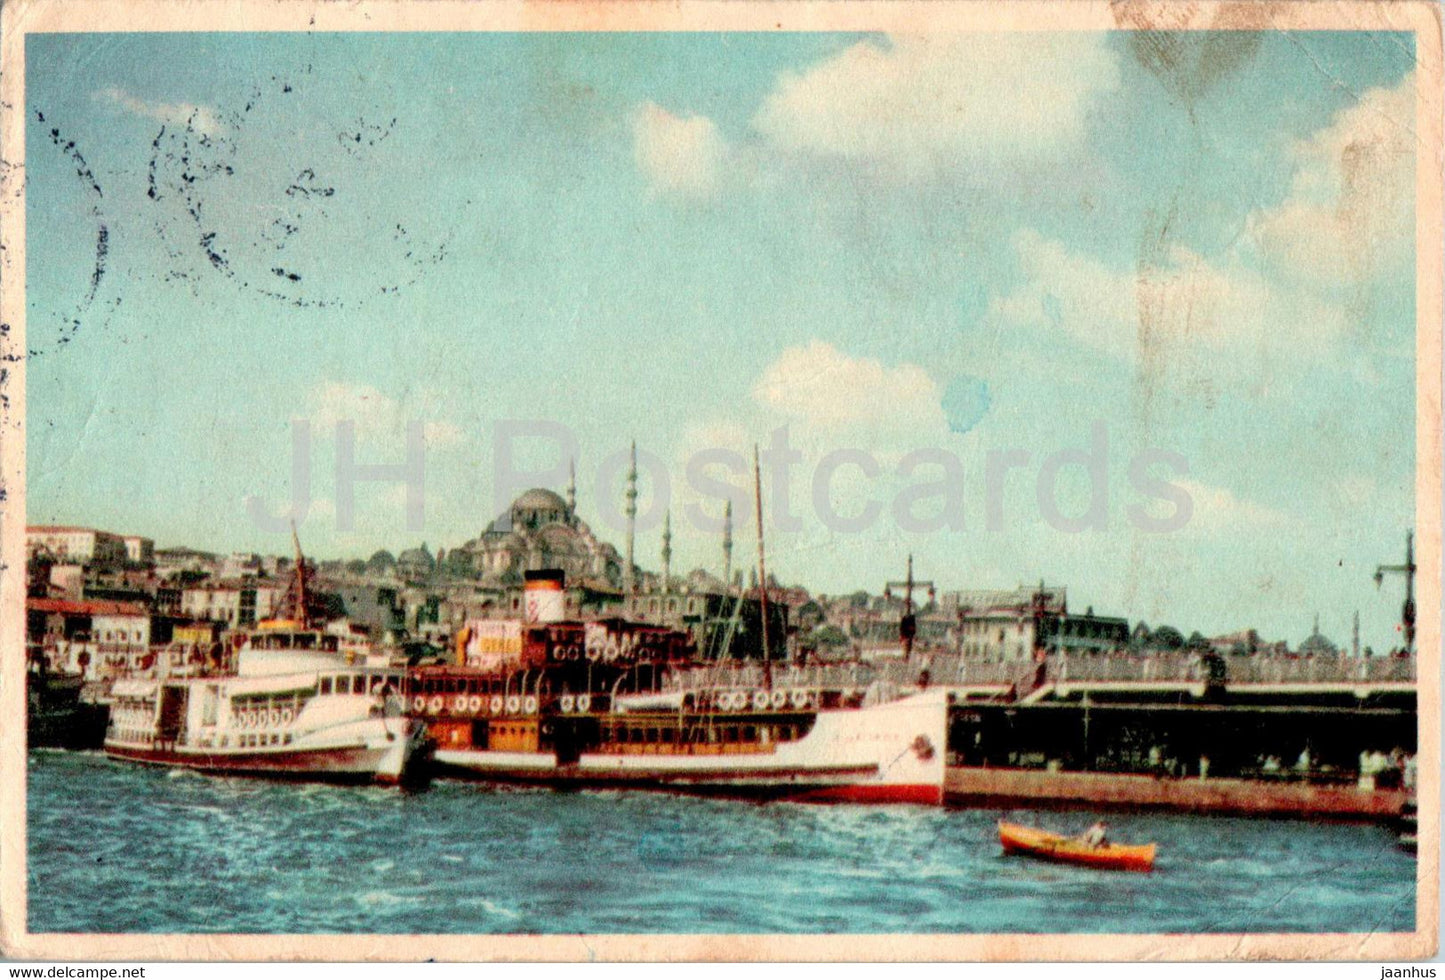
point(1097, 835)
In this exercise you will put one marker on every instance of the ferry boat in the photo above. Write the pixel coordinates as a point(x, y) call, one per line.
point(303, 703)
point(617, 704)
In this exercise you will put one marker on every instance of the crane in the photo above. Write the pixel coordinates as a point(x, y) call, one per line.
point(1407, 612)
point(908, 625)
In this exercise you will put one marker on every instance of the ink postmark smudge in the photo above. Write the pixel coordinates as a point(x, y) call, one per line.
point(66, 324)
point(280, 201)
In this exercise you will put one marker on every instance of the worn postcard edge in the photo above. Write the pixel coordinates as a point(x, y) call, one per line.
point(18, 19)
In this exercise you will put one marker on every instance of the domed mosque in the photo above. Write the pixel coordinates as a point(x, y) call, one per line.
point(541, 530)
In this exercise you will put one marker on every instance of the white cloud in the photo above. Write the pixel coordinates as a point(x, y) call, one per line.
point(200, 118)
point(378, 417)
point(1350, 209)
point(1178, 301)
point(1219, 509)
point(830, 391)
point(925, 105)
point(681, 156)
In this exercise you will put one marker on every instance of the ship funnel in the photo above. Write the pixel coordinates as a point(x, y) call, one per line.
point(545, 600)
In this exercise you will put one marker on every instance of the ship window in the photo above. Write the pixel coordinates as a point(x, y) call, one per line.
point(749, 733)
point(376, 683)
point(326, 685)
point(343, 685)
point(288, 738)
point(669, 735)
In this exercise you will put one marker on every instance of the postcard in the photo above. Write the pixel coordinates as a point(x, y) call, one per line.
point(720, 481)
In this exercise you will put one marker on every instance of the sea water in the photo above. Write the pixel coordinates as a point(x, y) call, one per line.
point(115, 847)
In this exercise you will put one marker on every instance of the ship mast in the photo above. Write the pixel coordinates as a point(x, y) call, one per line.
point(762, 569)
point(301, 604)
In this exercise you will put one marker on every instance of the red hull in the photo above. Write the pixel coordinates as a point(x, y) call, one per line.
point(778, 784)
point(877, 793)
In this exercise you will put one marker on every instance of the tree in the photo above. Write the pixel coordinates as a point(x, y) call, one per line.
point(381, 562)
point(828, 635)
point(1197, 641)
point(1166, 638)
point(356, 566)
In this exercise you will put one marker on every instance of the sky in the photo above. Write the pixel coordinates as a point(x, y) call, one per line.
point(1169, 277)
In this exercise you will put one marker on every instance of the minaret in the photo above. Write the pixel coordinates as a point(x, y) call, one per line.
point(728, 546)
point(572, 488)
point(1355, 641)
point(666, 552)
point(629, 571)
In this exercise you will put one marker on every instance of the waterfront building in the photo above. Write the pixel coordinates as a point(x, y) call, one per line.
point(94, 638)
point(235, 603)
point(171, 562)
point(79, 545)
point(377, 608)
point(139, 550)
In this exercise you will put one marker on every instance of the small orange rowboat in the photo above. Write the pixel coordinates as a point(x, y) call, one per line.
point(1018, 839)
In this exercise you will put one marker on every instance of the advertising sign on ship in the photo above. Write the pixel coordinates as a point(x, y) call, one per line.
point(492, 644)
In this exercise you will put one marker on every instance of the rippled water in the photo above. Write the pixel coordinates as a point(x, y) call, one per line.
point(116, 848)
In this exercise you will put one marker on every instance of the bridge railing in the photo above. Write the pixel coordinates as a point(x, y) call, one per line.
point(1063, 669)
point(1320, 670)
point(1232, 670)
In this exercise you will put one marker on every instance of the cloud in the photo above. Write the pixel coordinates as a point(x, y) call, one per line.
point(831, 392)
point(1219, 509)
point(1176, 301)
point(920, 106)
point(202, 119)
point(377, 417)
point(681, 156)
point(1351, 205)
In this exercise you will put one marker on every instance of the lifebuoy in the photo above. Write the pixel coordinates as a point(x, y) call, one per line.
point(779, 699)
point(800, 699)
point(584, 702)
point(568, 702)
point(239, 718)
point(275, 716)
point(436, 704)
point(514, 704)
point(459, 703)
point(529, 706)
point(287, 716)
point(496, 704)
point(610, 652)
point(418, 703)
point(474, 703)
point(760, 700)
